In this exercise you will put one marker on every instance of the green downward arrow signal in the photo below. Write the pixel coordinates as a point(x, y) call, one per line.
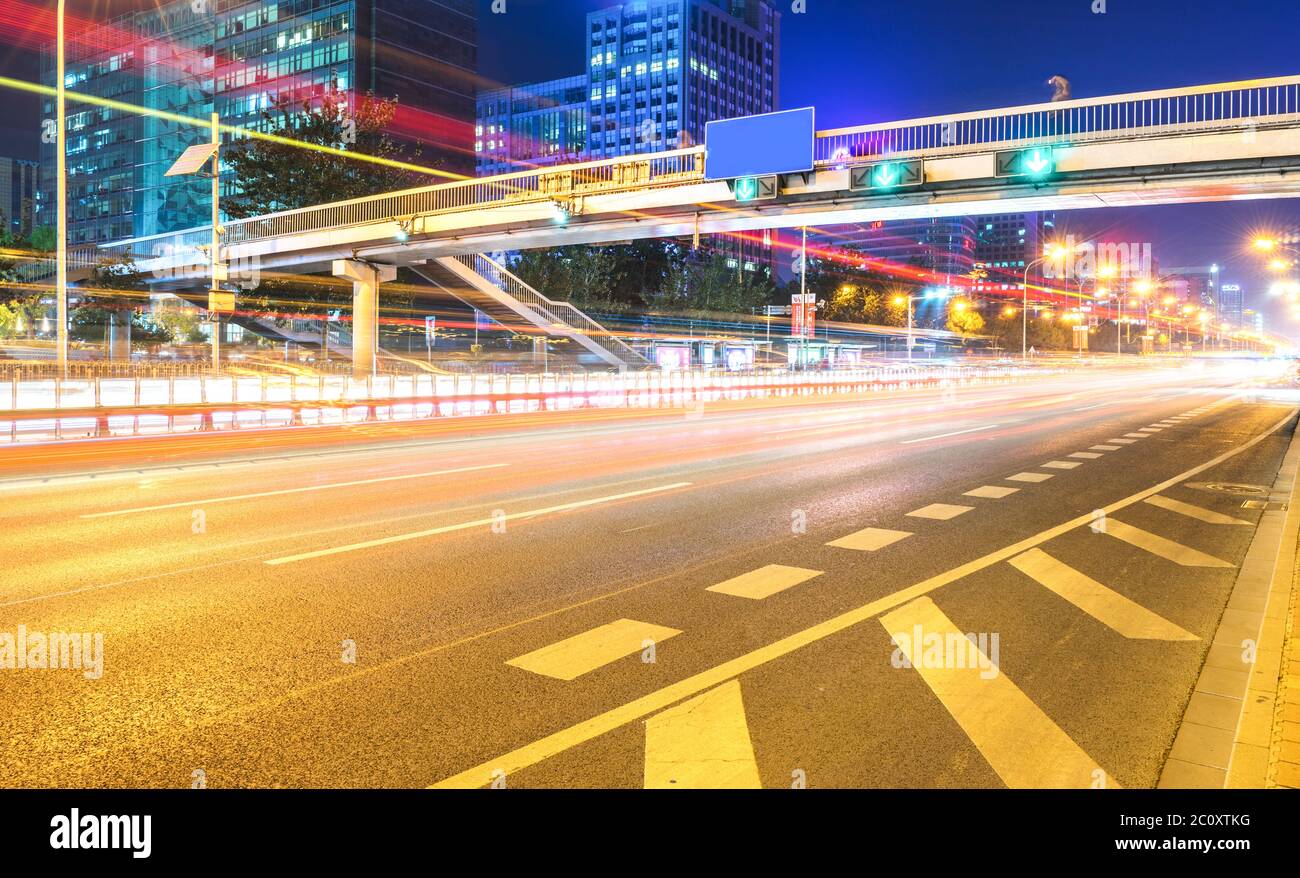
point(886, 174)
point(1036, 163)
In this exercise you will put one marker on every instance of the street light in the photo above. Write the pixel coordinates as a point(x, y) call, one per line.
point(61, 198)
point(1053, 251)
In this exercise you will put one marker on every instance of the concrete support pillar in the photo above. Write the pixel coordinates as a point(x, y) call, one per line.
point(366, 278)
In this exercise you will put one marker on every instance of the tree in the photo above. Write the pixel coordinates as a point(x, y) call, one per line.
point(965, 321)
point(275, 176)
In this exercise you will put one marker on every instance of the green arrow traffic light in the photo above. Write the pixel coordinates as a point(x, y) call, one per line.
point(886, 175)
point(1037, 162)
point(746, 189)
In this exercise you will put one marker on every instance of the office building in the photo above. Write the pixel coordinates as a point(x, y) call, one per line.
point(531, 125)
point(17, 195)
point(237, 57)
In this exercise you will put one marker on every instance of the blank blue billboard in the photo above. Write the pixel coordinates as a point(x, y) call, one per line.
point(754, 146)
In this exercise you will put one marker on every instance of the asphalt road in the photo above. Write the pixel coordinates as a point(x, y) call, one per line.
point(410, 604)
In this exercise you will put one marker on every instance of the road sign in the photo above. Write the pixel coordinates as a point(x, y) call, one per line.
point(803, 315)
point(884, 176)
point(221, 302)
point(755, 188)
point(777, 310)
point(754, 146)
point(1036, 162)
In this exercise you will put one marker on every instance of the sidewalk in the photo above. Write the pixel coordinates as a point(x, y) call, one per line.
point(1284, 748)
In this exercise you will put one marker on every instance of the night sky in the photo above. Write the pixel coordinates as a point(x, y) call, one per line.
point(862, 61)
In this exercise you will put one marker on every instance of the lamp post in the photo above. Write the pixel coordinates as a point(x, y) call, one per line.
point(1053, 252)
point(900, 300)
point(61, 197)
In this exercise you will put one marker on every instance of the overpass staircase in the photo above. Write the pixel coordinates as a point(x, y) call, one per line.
point(486, 285)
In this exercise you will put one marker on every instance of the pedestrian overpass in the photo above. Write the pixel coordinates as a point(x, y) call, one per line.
point(1226, 141)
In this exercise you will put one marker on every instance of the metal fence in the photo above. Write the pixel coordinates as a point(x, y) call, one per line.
point(1240, 106)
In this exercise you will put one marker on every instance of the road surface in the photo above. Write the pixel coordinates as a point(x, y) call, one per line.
point(621, 599)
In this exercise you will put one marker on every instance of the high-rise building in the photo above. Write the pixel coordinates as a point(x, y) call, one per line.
point(659, 70)
point(1232, 303)
point(17, 195)
point(1006, 243)
point(654, 73)
point(1202, 286)
point(537, 124)
point(237, 57)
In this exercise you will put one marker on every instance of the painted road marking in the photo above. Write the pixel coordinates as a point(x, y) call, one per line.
point(616, 717)
point(1196, 512)
point(1085, 455)
point(1104, 447)
point(208, 501)
point(764, 582)
point(946, 435)
point(939, 511)
point(701, 744)
point(993, 492)
point(1029, 477)
point(1137, 435)
point(869, 539)
point(1149, 429)
point(1108, 607)
point(469, 525)
point(1123, 441)
point(571, 658)
point(1060, 464)
point(1015, 737)
point(1184, 556)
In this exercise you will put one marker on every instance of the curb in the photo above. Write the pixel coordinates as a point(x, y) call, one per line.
point(1227, 728)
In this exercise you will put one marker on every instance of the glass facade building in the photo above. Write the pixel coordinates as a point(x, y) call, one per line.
point(236, 57)
point(655, 73)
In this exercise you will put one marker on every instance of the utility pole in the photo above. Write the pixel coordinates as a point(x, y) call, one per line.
point(215, 288)
point(61, 211)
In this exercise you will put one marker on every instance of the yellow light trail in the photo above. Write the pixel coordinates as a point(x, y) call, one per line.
point(22, 85)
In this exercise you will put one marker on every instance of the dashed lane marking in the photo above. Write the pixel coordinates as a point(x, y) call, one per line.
point(1029, 477)
point(1061, 464)
point(940, 511)
point(1104, 447)
point(992, 492)
point(1084, 455)
point(764, 582)
point(870, 539)
point(572, 657)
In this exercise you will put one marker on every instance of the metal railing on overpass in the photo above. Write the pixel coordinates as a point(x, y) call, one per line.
point(1235, 106)
point(1240, 106)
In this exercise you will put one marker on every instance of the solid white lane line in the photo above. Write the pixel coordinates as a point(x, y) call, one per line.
point(946, 435)
point(1013, 734)
point(582, 653)
point(701, 744)
point(1108, 607)
point(468, 525)
point(208, 501)
point(1197, 512)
